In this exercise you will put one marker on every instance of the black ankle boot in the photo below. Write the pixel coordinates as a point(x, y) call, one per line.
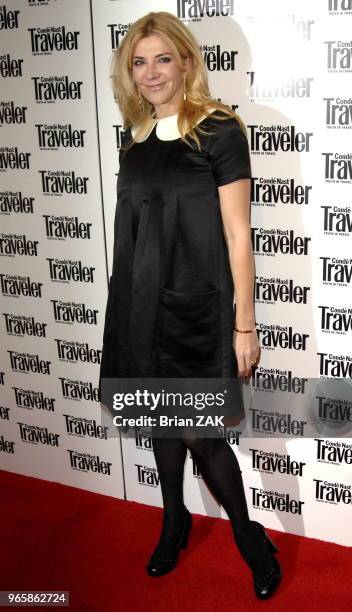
point(258, 550)
point(164, 561)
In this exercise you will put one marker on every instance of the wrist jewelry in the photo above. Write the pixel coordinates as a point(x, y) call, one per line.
point(245, 331)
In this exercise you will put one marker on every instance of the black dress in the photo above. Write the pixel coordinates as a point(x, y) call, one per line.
point(170, 310)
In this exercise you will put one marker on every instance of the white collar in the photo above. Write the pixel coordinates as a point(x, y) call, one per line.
point(166, 128)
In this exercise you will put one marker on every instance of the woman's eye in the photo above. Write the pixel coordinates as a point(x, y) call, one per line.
point(162, 59)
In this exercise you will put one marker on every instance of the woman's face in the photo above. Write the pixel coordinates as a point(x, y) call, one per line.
point(157, 75)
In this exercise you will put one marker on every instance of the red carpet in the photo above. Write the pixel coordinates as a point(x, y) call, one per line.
point(59, 537)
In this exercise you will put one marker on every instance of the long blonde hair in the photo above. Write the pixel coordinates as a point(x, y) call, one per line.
point(198, 100)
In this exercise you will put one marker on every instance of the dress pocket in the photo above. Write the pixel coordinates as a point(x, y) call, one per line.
point(189, 325)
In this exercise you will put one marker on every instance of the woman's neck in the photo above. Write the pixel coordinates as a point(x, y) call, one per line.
point(164, 113)
point(165, 117)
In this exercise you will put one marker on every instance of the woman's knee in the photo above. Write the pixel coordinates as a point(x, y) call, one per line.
point(195, 443)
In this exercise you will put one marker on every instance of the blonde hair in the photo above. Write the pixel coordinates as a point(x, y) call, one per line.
point(182, 42)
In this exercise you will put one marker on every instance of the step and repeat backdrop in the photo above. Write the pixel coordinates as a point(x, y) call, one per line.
point(286, 68)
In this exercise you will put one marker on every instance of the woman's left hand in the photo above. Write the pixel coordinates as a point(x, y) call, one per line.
point(247, 350)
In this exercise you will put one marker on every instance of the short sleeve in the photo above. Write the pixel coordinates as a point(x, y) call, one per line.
point(229, 152)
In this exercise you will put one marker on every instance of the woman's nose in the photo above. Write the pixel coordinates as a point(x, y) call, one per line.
point(151, 71)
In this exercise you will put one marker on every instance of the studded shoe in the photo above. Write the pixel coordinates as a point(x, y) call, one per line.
point(265, 584)
point(162, 563)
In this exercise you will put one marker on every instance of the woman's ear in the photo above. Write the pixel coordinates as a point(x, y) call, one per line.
point(187, 63)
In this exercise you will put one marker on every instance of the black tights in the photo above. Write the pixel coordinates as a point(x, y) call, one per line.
point(220, 469)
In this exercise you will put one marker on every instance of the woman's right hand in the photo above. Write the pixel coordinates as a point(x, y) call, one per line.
point(247, 351)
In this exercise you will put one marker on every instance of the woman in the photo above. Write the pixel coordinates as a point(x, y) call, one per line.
point(181, 246)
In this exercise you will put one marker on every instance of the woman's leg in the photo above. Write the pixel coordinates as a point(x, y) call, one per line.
point(170, 455)
point(221, 471)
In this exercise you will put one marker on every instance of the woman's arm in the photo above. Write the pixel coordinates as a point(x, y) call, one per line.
point(235, 206)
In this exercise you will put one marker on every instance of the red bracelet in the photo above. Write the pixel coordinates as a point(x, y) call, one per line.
point(245, 331)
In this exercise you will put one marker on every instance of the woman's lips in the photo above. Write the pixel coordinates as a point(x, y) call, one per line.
point(156, 87)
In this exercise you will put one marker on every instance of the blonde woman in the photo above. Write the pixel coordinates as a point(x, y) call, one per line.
point(182, 246)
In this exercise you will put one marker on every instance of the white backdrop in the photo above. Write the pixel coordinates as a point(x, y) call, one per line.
point(290, 81)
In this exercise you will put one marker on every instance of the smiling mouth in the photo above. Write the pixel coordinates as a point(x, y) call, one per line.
point(156, 87)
